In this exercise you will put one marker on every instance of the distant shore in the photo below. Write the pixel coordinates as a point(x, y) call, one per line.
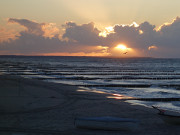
point(37, 107)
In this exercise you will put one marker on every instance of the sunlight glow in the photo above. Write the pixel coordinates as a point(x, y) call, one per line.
point(166, 24)
point(153, 47)
point(107, 31)
point(141, 32)
point(121, 47)
point(134, 24)
point(110, 29)
point(122, 50)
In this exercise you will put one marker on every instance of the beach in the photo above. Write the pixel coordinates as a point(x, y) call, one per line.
point(35, 107)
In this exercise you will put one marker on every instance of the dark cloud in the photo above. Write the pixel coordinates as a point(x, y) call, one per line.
point(140, 37)
point(169, 34)
point(85, 34)
point(31, 43)
point(147, 28)
point(39, 29)
point(147, 35)
point(28, 44)
point(123, 34)
point(32, 27)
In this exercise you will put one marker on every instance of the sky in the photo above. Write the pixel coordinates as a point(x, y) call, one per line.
point(117, 28)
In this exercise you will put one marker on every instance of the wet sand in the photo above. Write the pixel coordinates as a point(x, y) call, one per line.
point(34, 107)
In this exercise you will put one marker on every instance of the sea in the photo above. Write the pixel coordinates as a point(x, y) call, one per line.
point(149, 81)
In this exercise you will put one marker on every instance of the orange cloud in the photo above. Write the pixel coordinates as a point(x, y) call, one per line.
point(7, 35)
point(50, 30)
point(153, 47)
point(166, 24)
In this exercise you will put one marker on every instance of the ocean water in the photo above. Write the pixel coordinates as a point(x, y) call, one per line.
point(153, 80)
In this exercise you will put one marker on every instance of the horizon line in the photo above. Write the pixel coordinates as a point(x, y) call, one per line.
point(87, 56)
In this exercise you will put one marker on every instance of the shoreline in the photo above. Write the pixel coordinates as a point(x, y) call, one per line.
point(28, 104)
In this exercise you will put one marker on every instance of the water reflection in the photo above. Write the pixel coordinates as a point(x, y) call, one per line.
point(109, 95)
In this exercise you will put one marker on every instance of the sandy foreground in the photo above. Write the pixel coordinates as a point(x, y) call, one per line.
point(33, 107)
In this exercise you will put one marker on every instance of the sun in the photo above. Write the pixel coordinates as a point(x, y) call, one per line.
point(123, 50)
point(121, 47)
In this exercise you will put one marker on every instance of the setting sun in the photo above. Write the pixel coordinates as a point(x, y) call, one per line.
point(123, 50)
point(121, 47)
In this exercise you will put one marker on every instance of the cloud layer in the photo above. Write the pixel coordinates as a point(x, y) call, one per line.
point(46, 38)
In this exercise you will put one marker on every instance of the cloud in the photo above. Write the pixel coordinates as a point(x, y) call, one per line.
point(138, 36)
point(147, 28)
point(153, 47)
point(143, 39)
point(31, 44)
point(122, 34)
point(7, 35)
point(33, 41)
point(85, 34)
point(40, 29)
point(32, 27)
point(169, 34)
point(50, 30)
